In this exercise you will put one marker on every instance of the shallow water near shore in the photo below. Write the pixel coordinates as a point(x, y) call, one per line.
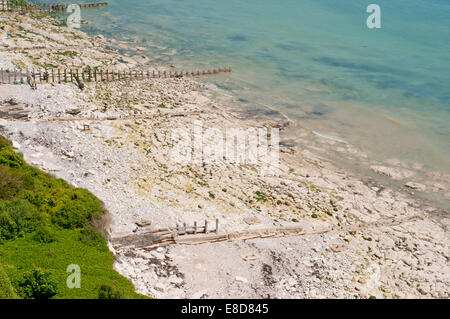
point(384, 91)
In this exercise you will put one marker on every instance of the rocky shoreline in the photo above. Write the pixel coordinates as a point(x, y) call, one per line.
point(384, 243)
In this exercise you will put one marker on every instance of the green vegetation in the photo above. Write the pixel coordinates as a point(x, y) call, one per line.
point(6, 289)
point(38, 14)
point(37, 284)
point(14, 3)
point(45, 226)
point(75, 36)
point(70, 54)
point(108, 292)
point(313, 188)
point(260, 197)
point(49, 66)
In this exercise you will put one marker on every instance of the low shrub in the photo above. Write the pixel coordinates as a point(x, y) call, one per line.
point(44, 234)
point(4, 142)
point(10, 158)
point(37, 284)
point(78, 210)
point(17, 218)
point(108, 292)
point(90, 237)
point(10, 182)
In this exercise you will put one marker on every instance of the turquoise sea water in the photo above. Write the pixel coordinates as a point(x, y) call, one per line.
point(386, 91)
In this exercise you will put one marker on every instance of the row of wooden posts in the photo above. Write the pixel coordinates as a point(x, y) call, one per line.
point(94, 75)
point(48, 7)
point(196, 229)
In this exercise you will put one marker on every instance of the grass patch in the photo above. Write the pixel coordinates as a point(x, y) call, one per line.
point(313, 188)
point(49, 66)
point(260, 197)
point(6, 289)
point(95, 260)
point(70, 54)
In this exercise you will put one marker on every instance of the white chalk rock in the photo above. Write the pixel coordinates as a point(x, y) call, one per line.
point(199, 294)
point(3, 122)
point(417, 186)
point(392, 172)
point(49, 167)
point(69, 154)
point(241, 279)
point(175, 280)
point(16, 145)
point(157, 255)
point(159, 287)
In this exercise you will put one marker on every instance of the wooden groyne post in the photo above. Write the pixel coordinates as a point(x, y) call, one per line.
point(52, 6)
point(85, 75)
point(195, 229)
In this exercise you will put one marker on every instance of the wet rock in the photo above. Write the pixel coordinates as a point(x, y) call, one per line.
point(416, 186)
point(392, 172)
